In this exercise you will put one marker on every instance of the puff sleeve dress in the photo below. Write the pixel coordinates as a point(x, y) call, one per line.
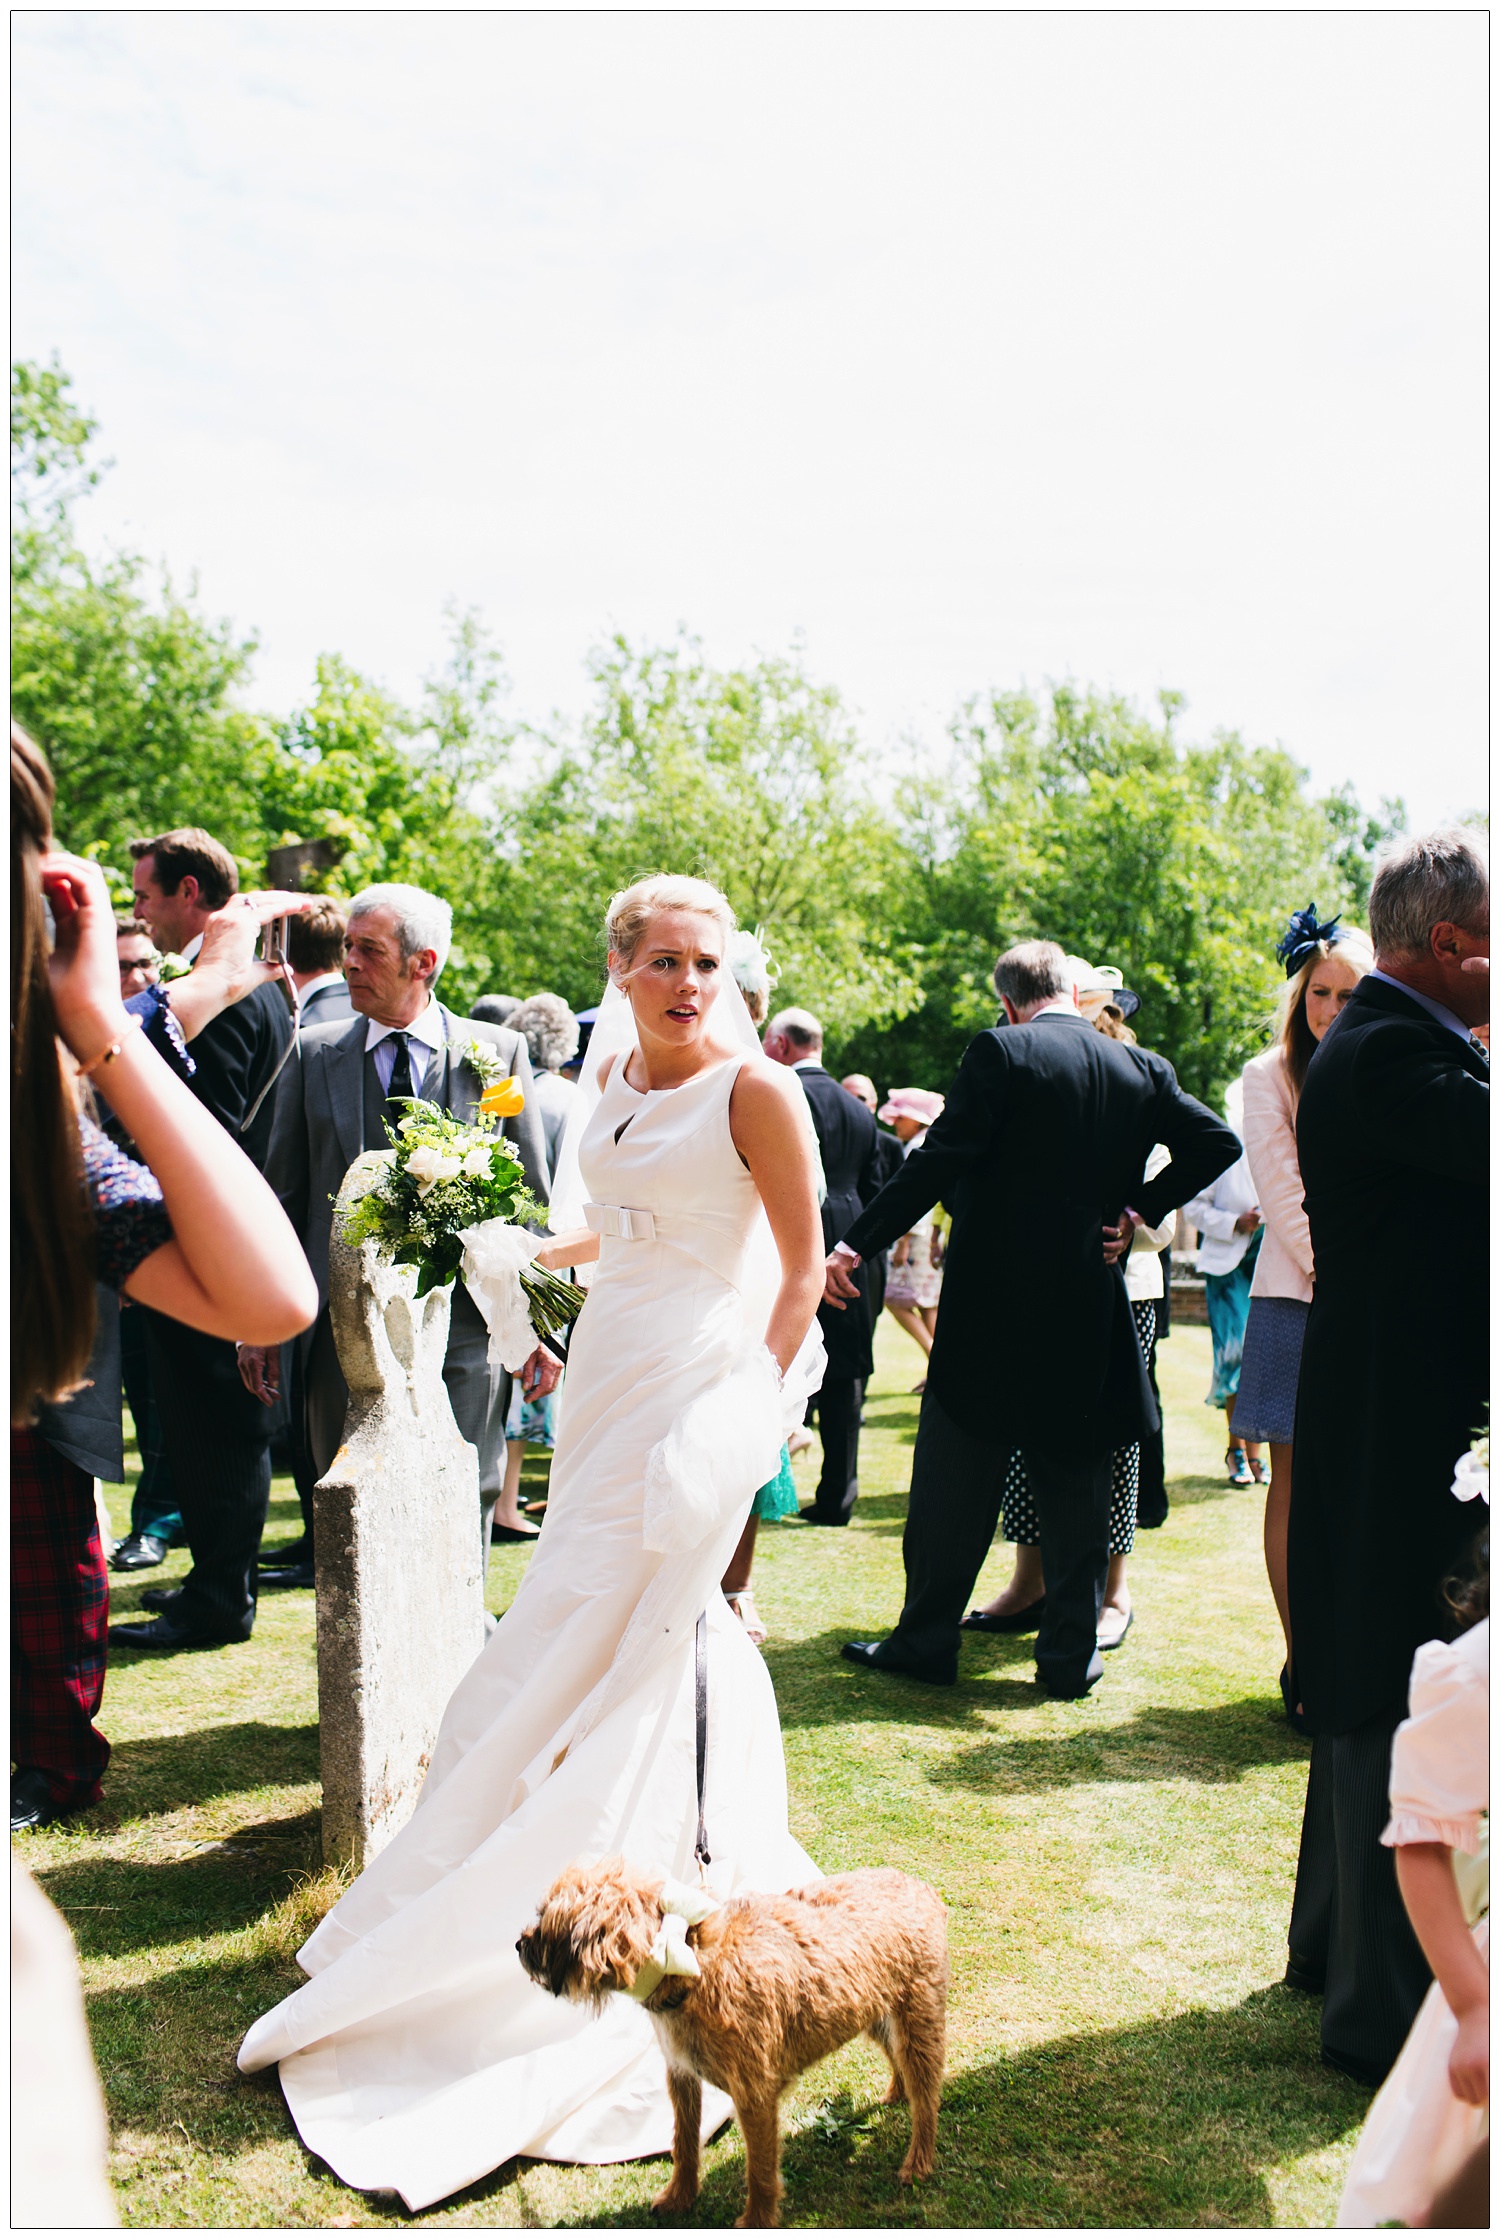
point(1417, 2135)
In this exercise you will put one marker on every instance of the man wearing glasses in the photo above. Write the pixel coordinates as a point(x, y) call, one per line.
point(140, 963)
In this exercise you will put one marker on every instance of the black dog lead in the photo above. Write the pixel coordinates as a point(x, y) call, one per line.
point(700, 1659)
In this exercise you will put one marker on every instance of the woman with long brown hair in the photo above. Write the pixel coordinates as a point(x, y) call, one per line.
point(193, 1231)
point(200, 1237)
point(1324, 964)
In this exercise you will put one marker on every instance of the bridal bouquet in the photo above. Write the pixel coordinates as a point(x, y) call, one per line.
point(450, 1187)
point(1471, 1479)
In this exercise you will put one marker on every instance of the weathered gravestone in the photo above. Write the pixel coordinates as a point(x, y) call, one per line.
point(396, 1532)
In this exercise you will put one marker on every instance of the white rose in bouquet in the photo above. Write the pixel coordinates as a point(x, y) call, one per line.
point(428, 1166)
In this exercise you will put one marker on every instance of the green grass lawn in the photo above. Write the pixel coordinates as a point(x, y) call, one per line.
point(1118, 1873)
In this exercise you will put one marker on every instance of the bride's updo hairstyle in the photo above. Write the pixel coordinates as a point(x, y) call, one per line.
point(632, 910)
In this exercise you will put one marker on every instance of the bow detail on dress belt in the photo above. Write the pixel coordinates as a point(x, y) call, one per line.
point(632, 1223)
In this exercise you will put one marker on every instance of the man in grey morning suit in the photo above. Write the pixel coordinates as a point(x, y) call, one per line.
point(339, 1088)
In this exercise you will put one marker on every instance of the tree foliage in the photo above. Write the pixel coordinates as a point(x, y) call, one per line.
point(1083, 820)
point(1074, 816)
point(750, 777)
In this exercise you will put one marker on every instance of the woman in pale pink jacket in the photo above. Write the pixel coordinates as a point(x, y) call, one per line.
point(1323, 965)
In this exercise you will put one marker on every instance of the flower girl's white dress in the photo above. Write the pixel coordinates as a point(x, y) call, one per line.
point(419, 2056)
point(1417, 2135)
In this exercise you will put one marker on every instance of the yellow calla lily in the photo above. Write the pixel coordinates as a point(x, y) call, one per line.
point(503, 1098)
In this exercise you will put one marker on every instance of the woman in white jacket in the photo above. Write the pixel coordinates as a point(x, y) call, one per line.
point(1324, 964)
point(1228, 1222)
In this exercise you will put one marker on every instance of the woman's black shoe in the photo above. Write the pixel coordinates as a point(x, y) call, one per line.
point(1012, 1621)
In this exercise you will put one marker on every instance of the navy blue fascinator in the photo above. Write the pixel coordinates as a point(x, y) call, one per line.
point(1302, 937)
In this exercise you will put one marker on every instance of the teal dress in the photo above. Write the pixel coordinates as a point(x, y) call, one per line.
point(779, 1497)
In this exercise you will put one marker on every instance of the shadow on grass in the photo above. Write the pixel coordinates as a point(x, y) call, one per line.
point(1167, 2125)
point(165, 2051)
point(815, 1687)
point(163, 1772)
point(1191, 1492)
point(882, 1514)
point(1214, 1745)
point(118, 1905)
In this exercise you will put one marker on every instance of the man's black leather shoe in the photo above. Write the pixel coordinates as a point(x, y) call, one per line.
point(31, 1802)
point(162, 1634)
point(139, 1552)
point(877, 1655)
point(302, 1574)
point(160, 1597)
point(815, 1516)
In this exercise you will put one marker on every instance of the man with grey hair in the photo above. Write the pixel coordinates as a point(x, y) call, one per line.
point(1393, 1142)
point(344, 1082)
point(1040, 1157)
point(849, 1146)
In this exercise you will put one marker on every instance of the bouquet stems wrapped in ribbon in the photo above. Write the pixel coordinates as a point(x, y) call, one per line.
point(447, 1202)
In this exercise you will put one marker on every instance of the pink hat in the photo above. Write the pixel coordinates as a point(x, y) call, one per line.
point(922, 1104)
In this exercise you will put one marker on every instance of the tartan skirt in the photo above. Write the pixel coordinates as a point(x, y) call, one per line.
point(59, 1617)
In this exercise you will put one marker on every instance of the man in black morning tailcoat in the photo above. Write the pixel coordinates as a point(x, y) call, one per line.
point(849, 1142)
point(1038, 1156)
point(1393, 1142)
point(217, 1438)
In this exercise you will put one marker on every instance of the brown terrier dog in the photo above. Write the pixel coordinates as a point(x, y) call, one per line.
point(748, 1994)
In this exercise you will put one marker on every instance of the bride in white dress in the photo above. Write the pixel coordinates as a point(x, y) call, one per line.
point(419, 2056)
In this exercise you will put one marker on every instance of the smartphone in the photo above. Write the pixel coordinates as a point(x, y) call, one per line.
point(273, 940)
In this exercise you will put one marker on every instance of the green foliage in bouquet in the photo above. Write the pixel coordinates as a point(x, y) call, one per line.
point(445, 1175)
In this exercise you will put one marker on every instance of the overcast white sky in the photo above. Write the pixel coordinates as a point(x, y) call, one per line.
point(982, 349)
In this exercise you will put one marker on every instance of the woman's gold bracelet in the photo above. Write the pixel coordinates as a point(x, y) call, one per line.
point(108, 1056)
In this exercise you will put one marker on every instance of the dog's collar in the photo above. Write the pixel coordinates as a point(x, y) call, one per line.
point(671, 1954)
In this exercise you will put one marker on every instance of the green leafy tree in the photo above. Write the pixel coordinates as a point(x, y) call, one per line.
point(1084, 821)
point(129, 688)
point(1077, 816)
point(135, 696)
point(750, 777)
point(49, 463)
point(1356, 837)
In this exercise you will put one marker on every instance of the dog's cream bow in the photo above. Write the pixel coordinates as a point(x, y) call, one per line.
point(671, 1954)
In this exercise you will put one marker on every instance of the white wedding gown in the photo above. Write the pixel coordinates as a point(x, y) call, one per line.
point(419, 2056)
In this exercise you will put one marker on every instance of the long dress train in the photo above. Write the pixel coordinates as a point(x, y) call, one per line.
point(419, 2056)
